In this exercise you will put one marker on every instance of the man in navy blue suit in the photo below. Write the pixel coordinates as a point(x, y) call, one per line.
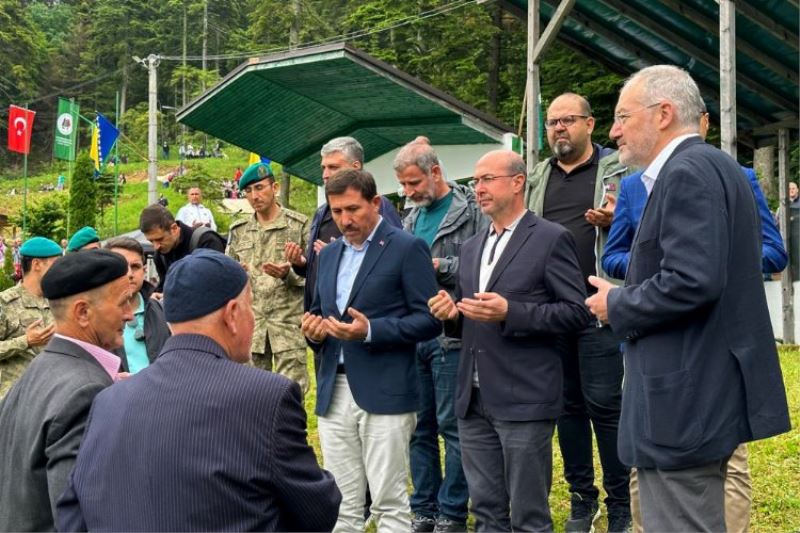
point(628, 212)
point(337, 154)
point(701, 369)
point(369, 311)
point(197, 440)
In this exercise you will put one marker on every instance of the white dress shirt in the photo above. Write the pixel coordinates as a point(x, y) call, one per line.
point(651, 173)
point(498, 243)
point(191, 213)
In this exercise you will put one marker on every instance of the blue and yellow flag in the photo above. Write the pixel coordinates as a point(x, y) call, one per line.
point(104, 135)
point(255, 158)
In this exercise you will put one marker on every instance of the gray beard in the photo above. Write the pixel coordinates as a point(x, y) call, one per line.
point(565, 152)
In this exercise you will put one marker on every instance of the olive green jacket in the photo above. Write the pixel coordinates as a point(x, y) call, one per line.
point(609, 172)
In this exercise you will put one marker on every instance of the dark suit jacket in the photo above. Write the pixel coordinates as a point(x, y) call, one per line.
point(519, 359)
point(392, 289)
point(42, 420)
point(701, 369)
point(194, 442)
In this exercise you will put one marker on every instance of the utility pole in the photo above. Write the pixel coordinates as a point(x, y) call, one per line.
point(294, 42)
point(151, 63)
point(205, 44)
point(183, 63)
point(203, 77)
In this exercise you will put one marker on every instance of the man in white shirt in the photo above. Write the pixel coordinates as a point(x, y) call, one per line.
point(195, 214)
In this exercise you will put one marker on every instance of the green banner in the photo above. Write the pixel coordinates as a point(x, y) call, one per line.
point(66, 129)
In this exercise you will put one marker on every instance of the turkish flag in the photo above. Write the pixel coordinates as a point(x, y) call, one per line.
point(20, 125)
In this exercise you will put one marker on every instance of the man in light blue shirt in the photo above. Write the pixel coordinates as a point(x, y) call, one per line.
point(370, 309)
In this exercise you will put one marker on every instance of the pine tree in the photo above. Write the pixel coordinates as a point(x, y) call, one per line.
point(82, 203)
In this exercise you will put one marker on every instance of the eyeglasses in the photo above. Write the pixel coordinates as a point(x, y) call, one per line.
point(566, 121)
point(620, 118)
point(486, 180)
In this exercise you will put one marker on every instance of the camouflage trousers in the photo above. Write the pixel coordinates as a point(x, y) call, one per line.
point(289, 363)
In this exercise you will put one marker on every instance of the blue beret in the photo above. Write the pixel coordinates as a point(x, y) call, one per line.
point(77, 273)
point(82, 237)
point(40, 247)
point(255, 172)
point(201, 283)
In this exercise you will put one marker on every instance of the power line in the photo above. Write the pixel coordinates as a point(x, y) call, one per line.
point(78, 86)
point(338, 38)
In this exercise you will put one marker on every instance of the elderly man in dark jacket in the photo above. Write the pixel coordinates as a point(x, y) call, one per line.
point(43, 417)
point(199, 441)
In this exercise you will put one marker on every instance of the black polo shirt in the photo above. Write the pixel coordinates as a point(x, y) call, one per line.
point(567, 198)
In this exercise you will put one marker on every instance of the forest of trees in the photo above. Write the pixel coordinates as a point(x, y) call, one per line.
point(84, 49)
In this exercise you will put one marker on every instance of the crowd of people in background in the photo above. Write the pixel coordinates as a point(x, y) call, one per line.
point(614, 297)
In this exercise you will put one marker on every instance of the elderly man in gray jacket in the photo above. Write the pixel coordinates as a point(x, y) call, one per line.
point(445, 215)
point(43, 417)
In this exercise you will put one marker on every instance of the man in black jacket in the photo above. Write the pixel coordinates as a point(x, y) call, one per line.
point(173, 240)
point(148, 331)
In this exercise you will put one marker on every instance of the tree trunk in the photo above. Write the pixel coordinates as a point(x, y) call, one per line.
point(294, 42)
point(494, 60)
point(123, 94)
point(764, 164)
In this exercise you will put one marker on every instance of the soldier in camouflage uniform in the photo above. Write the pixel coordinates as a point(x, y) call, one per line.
point(258, 243)
point(26, 324)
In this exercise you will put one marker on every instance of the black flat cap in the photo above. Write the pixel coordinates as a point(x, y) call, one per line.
point(77, 273)
point(201, 283)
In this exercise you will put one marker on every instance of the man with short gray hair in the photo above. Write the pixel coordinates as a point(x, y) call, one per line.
point(445, 215)
point(701, 369)
point(337, 154)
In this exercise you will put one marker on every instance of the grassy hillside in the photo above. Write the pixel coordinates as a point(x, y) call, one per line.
point(133, 198)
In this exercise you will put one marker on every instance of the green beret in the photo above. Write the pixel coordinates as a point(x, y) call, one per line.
point(81, 238)
point(77, 273)
point(255, 172)
point(40, 247)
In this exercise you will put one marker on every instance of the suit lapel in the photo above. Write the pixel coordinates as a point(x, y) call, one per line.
point(515, 242)
point(378, 244)
point(678, 149)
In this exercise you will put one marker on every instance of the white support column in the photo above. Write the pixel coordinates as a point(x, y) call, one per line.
point(532, 88)
point(787, 289)
point(727, 76)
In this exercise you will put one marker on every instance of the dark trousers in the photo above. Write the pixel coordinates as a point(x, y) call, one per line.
point(509, 469)
point(593, 399)
point(692, 499)
point(434, 495)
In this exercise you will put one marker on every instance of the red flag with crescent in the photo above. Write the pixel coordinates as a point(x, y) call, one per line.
point(20, 125)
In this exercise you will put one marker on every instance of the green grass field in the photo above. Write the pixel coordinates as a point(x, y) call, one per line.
point(133, 197)
point(774, 463)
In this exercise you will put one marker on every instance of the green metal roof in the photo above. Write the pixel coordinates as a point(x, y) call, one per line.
point(286, 106)
point(627, 35)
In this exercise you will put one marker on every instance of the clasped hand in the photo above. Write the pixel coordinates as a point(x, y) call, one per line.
point(484, 307)
point(316, 328)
